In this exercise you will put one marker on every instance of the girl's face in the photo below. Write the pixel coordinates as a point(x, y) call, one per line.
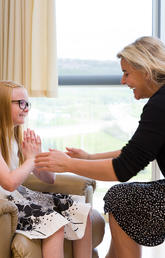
point(19, 105)
point(137, 81)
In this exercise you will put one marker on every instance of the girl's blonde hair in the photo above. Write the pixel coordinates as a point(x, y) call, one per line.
point(147, 54)
point(7, 130)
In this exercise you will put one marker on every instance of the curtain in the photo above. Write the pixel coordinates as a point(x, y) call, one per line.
point(28, 45)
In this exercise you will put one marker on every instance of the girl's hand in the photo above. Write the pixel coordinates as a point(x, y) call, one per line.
point(31, 145)
point(77, 153)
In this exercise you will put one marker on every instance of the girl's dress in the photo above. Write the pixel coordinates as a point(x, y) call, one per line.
point(41, 214)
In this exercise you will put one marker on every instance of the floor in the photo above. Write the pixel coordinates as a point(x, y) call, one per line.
point(148, 252)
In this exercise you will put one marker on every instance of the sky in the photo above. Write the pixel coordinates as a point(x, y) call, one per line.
point(98, 29)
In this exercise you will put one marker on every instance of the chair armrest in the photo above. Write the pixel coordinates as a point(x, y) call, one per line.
point(9, 208)
point(23, 247)
point(66, 184)
point(8, 224)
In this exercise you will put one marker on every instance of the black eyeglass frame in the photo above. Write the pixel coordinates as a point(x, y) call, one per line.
point(26, 103)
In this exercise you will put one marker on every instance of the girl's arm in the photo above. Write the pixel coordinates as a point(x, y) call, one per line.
point(45, 176)
point(10, 180)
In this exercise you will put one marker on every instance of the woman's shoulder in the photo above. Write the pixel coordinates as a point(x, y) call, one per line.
point(157, 100)
point(160, 94)
point(154, 109)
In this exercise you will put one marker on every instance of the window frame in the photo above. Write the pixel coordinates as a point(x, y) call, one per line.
point(158, 26)
point(86, 80)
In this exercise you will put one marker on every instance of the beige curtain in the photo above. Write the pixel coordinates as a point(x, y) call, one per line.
point(28, 45)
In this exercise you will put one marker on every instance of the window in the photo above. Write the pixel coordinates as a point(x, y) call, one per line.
point(89, 35)
point(91, 32)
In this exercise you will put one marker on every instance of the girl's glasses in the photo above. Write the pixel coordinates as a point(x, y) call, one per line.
point(23, 104)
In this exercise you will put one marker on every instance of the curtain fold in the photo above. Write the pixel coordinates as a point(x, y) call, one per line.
point(28, 45)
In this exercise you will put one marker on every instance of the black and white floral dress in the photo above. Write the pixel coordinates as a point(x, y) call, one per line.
point(42, 214)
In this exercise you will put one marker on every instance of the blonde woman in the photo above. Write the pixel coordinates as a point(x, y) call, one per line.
point(46, 216)
point(136, 210)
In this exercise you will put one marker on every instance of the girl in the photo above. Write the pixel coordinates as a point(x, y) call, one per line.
point(46, 216)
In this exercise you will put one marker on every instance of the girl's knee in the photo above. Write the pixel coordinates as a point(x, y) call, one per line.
point(89, 218)
point(89, 222)
point(59, 233)
point(61, 230)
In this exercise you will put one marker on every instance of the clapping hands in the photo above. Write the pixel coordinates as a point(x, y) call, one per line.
point(31, 145)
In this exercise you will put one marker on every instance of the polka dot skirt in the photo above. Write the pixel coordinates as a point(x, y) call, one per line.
point(139, 209)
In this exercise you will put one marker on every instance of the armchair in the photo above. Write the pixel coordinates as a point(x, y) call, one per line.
point(8, 223)
point(22, 247)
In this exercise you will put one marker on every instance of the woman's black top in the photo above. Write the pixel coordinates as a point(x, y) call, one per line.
point(148, 141)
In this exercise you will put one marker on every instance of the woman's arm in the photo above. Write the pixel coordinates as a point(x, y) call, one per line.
point(58, 161)
point(81, 154)
point(105, 155)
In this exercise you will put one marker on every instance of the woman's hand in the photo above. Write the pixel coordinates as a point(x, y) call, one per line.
point(53, 160)
point(77, 153)
point(31, 145)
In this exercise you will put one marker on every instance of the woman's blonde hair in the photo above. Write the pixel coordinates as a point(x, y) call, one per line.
point(7, 130)
point(147, 54)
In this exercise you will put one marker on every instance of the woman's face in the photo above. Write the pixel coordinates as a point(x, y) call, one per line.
point(18, 114)
point(137, 81)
